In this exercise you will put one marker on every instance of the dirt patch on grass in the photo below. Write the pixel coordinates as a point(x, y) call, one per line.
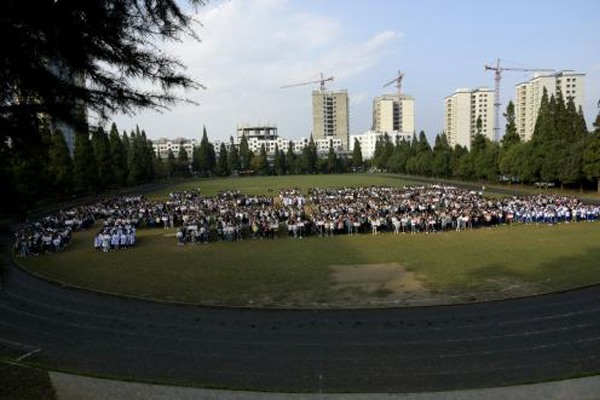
point(392, 277)
point(389, 285)
point(378, 285)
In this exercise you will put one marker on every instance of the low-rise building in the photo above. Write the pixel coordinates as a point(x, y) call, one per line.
point(162, 146)
point(368, 140)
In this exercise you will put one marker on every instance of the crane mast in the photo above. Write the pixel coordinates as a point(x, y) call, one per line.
point(497, 80)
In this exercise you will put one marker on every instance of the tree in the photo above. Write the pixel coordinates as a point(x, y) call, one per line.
point(64, 56)
point(332, 161)
point(282, 165)
point(245, 156)
point(111, 44)
point(171, 165)
point(118, 154)
point(196, 160)
point(148, 155)
point(596, 123)
point(591, 157)
point(309, 157)
point(511, 136)
point(442, 154)
point(278, 168)
point(424, 156)
point(292, 163)
point(207, 156)
point(159, 167)
point(571, 170)
point(61, 165)
point(455, 161)
point(233, 158)
point(85, 170)
point(101, 144)
point(183, 162)
point(135, 160)
point(383, 151)
point(222, 161)
point(488, 162)
point(357, 158)
point(262, 165)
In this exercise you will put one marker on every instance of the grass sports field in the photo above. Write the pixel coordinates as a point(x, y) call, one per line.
point(384, 270)
point(270, 185)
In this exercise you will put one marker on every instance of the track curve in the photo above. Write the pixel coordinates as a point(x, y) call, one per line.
point(397, 350)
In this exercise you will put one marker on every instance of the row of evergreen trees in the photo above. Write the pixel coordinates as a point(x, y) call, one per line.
point(100, 161)
point(561, 151)
point(207, 161)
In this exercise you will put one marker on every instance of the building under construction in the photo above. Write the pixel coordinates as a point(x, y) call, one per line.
point(331, 118)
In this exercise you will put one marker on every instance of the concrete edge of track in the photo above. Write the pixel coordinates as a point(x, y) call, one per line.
point(69, 286)
point(72, 387)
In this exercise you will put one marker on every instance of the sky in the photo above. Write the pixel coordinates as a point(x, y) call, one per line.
point(250, 48)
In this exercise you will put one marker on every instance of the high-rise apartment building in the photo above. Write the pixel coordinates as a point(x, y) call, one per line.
point(528, 96)
point(394, 113)
point(331, 118)
point(462, 111)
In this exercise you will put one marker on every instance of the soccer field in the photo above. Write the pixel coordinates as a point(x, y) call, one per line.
point(341, 271)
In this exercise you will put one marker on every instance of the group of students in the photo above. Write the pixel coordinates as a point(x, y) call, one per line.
point(119, 236)
point(230, 216)
point(51, 233)
point(434, 208)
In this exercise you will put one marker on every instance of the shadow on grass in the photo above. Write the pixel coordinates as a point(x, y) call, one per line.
point(562, 273)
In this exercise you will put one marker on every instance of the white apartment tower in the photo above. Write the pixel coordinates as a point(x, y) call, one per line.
point(463, 109)
point(528, 96)
point(331, 118)
point(394, 113)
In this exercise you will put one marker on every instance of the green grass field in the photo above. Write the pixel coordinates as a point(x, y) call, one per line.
point(449, 267)
point(270, 185)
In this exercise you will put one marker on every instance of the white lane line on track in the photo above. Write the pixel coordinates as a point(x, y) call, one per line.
point(265, 343)
point(26, 355)
point(221, 356)
point(206, 328)
point(549, 304)
point(16, 344)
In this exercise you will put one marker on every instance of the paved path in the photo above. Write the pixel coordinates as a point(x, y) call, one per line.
point(72, 387)
point(401, 350)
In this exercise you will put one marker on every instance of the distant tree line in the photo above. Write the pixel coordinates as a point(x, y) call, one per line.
point(207, 161)
point(561, 151)
point(101, 161)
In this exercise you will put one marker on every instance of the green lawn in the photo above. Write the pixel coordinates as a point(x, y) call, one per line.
point(270, 185)
point(471, 265)
point(450, 267)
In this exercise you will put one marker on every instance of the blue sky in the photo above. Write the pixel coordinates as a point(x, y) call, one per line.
point(250, 48)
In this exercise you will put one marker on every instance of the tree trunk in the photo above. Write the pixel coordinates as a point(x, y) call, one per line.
point(598, 185)
point(581, 187)
point(562, 187)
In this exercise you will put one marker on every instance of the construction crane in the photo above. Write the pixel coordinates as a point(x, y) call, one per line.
point(498, 72)
point(397, 81)
point(321, 82)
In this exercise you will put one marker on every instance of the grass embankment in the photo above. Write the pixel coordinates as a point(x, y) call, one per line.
point(453, 266)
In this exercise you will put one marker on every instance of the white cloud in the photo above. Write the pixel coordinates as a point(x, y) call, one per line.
point(249, 49)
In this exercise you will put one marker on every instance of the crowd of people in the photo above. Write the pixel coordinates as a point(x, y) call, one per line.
point(53, 232)
point(232, 216)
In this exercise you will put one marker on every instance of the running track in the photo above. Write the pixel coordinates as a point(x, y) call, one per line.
point(397, 350)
